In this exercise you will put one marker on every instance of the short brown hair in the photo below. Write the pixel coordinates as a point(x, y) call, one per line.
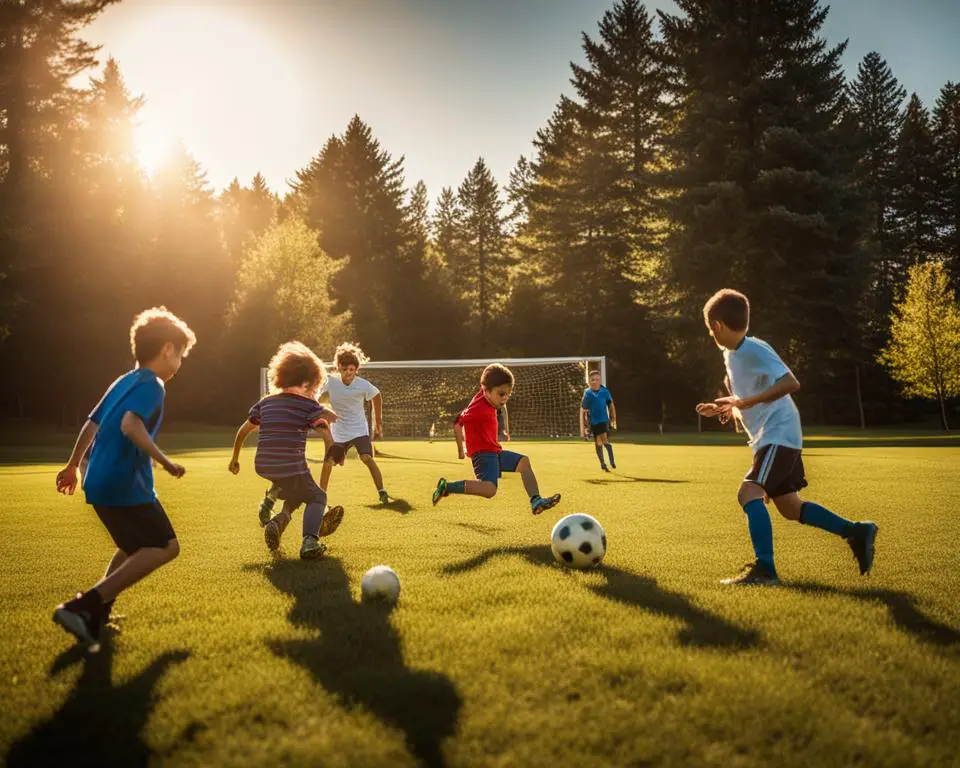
point(295, 364)
point(593, 373)
point(349, 354)
point(153, 328)
point(494, 375)
point(730, 307)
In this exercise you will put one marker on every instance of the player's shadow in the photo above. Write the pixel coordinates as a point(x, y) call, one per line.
point(99, 724)
point(701, 628)
point(903, 610)
point(397, 505)
point(614, 479)
point(358, 657)
point(486, 530)
point(418, 459)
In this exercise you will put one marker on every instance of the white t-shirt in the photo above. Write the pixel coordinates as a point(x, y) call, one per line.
point(754, 367)
point(348, 402)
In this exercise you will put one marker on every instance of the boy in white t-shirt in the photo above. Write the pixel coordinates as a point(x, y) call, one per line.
point(760, 385)
point(348, 393)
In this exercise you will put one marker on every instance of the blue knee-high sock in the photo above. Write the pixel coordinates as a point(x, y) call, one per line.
point(820, 517)
point(456, 487)
point(599, 454)
point(313, 516)
point(610, 452)
point(761, 532)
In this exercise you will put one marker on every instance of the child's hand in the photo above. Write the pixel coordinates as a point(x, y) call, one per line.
point(329, 415)
point(506, 437)
point(727, 404)
point(177, 470)
point(234, 466)
point(378, 431)
point(67, 479)
point(613, 425)
point(460, 453)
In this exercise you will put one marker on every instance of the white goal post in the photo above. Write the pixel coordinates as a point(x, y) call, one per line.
point(421, 398)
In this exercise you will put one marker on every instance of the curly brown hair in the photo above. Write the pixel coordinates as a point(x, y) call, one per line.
point(494, 375)
point(155, 327)
point(294, 365)
point(349, 353)
point(730, 307)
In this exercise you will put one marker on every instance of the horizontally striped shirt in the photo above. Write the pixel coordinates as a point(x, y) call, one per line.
point(284, 419)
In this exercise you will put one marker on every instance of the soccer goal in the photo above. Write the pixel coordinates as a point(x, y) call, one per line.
point(421, 398)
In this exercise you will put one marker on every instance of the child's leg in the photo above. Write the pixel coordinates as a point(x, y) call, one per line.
point(484, 488)
point(375, 474)
point(118, 559)
point(266, 506)
point(598, 445)
point(325, 474)
point(751, 498)
point(514, 462)
point(606, 444)
point(135, 567)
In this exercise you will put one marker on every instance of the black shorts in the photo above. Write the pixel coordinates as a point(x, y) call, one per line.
point(141, 526)
point(299, 489)
point(778, 470)
point(601, 428)
point(338, 451)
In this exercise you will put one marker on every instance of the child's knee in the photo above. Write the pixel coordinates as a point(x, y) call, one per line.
point(749, 492)
point(367, 459)
point(524, 465)
point(488, 489)
point(172, 550)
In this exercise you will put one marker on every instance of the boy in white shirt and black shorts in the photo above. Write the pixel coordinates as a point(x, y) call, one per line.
point(760, 385)
point(348, 393)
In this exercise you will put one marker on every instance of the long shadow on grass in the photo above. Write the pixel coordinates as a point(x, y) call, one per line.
point(703, 629)
point(416, 459)
point(903, 610)
point(396, 505)
point(358, 656)
point(629, 479)
point(99, 724)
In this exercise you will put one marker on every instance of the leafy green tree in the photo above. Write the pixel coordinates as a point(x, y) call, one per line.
point(923, 354)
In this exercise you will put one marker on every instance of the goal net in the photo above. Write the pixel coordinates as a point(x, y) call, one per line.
point(421, 398)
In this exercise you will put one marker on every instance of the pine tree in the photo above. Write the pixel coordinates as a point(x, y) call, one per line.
point(418, 213)
point(761, 176)
point(915, 187)
point(445, 226)
point(946, 136)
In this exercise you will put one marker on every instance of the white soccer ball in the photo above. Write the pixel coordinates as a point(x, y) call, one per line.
point(380, 583)
point(578, 541)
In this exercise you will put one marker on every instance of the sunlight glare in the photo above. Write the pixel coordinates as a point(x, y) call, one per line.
point(153, 145)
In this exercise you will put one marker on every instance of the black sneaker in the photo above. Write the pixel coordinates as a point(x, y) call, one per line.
point(83, 625)
point(753, 573)
point(541, 504)
point(604, 468)
point(861, 540)
point(266, 509)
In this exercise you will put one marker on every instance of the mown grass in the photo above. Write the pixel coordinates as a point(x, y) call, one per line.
point(495, 655)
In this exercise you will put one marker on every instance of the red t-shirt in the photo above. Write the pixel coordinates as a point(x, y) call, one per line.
point(479, 422)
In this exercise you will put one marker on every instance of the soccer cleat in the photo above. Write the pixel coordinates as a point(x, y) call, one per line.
point(753, 573)
point(384, 497)
point(312, 548)
point(273, 530)
point(331, 521)
point(861, 540)
point(81, 624)
point(266, 508)
point(541, 504)
point(613, 464)
point(604, 468)
point(440, 491)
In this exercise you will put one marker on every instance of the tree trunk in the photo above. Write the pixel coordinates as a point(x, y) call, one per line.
point(943, 413)
point(863, 422)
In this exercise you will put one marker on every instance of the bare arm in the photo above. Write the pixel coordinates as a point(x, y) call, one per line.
point(584, 421)
point(785, 385)
point(377, 416)
point(613, 414)
point(67, 477)
point(458, 433)
point(506, 422)
point(245, 429)
point(134, 430)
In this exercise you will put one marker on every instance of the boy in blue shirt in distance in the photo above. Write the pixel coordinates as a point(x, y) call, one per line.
point(118, 480)
point(594, 415)
point(761, 385)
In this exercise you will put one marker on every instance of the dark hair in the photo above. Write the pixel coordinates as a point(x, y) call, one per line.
point(494, 375)
point(153, 328)
point(295, 364)
point(730, 307)
point(349, 354)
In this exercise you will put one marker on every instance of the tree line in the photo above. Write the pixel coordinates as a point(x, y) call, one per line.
point(718, 146)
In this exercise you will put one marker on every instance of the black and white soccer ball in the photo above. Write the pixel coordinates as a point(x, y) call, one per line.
point(578, 541)
point(380, 583)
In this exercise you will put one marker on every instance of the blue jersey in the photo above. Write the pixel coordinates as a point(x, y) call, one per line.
point(596, 404)
point(120, 474)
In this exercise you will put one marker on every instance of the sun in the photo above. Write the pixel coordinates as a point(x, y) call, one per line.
point(153, 145)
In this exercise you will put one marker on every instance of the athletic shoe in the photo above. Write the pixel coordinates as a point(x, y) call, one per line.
point(753, 573)
point(613, 464)
point(861, 541)
point(440, 491)
point(331, 521)
point(541, 504)
point(312, 548)
point(604, 468)
point(266, 509)
point(273, 530)
point(384, 497)
point(81, 624)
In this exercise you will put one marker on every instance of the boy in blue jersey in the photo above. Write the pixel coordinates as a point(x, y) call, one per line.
point(283, 419)
point(594, 416)
point(118, 480)
point(761, 385)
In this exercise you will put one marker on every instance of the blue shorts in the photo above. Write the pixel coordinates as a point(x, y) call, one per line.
point(489, 466)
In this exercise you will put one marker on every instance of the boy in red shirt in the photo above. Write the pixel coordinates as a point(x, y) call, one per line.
point(479, 422)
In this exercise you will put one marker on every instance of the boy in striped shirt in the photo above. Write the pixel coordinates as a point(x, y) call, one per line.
point(283, 419)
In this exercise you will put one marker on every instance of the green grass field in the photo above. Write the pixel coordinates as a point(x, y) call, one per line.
point(495, 655)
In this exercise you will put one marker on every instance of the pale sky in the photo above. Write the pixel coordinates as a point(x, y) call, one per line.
point(259, 85)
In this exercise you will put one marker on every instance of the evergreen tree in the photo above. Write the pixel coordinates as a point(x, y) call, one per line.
point(915, 188)
point(761, 176)
point(445, 227)
point(418, 212)
point(518, 192)
point(946, 136)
